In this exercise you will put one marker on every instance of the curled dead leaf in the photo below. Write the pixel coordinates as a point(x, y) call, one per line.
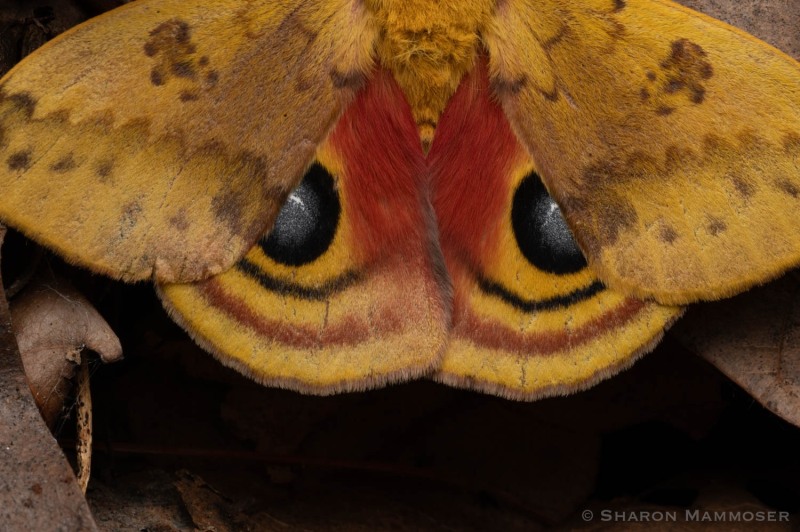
point(53, 323)
point(37, 488)
point(754, 339)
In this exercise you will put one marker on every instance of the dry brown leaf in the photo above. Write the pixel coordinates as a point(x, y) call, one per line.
point(203, 503)
point(37, 487)
point(754, 339)
point(83, 446)
point(53, 323)
point(773, 21)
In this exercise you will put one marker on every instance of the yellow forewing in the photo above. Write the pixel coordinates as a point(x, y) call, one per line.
point(162, 138)
point(670, 140)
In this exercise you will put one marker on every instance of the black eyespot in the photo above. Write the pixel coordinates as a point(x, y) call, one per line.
point(307, 222)
point(541, 231)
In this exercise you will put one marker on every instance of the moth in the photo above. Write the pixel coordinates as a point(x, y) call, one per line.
point(333, 195)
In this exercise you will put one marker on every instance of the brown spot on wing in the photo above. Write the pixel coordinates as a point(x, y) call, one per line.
point(188, 96)
point(619, 5)
point(184, 69)
point(156, 77)
point(791, 142)
point(229, 204)
point(715, 226)
point(611, 216)
point(175, 55)
point(674, 86)
point(168, 35)
point(686, 68)
point(22, 101)
point(667, 234)
point(150, 50)
point(180, 221)
point(787, 187)
point(682, 75)
point(637, 165)
point(20, 160)
point(103, 169)
point(750, 141)
point(745, 188)
point(679, 158)
point(715, 146)
point(64, 164)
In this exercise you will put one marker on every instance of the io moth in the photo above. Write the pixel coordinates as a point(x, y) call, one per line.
point(332, 195)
